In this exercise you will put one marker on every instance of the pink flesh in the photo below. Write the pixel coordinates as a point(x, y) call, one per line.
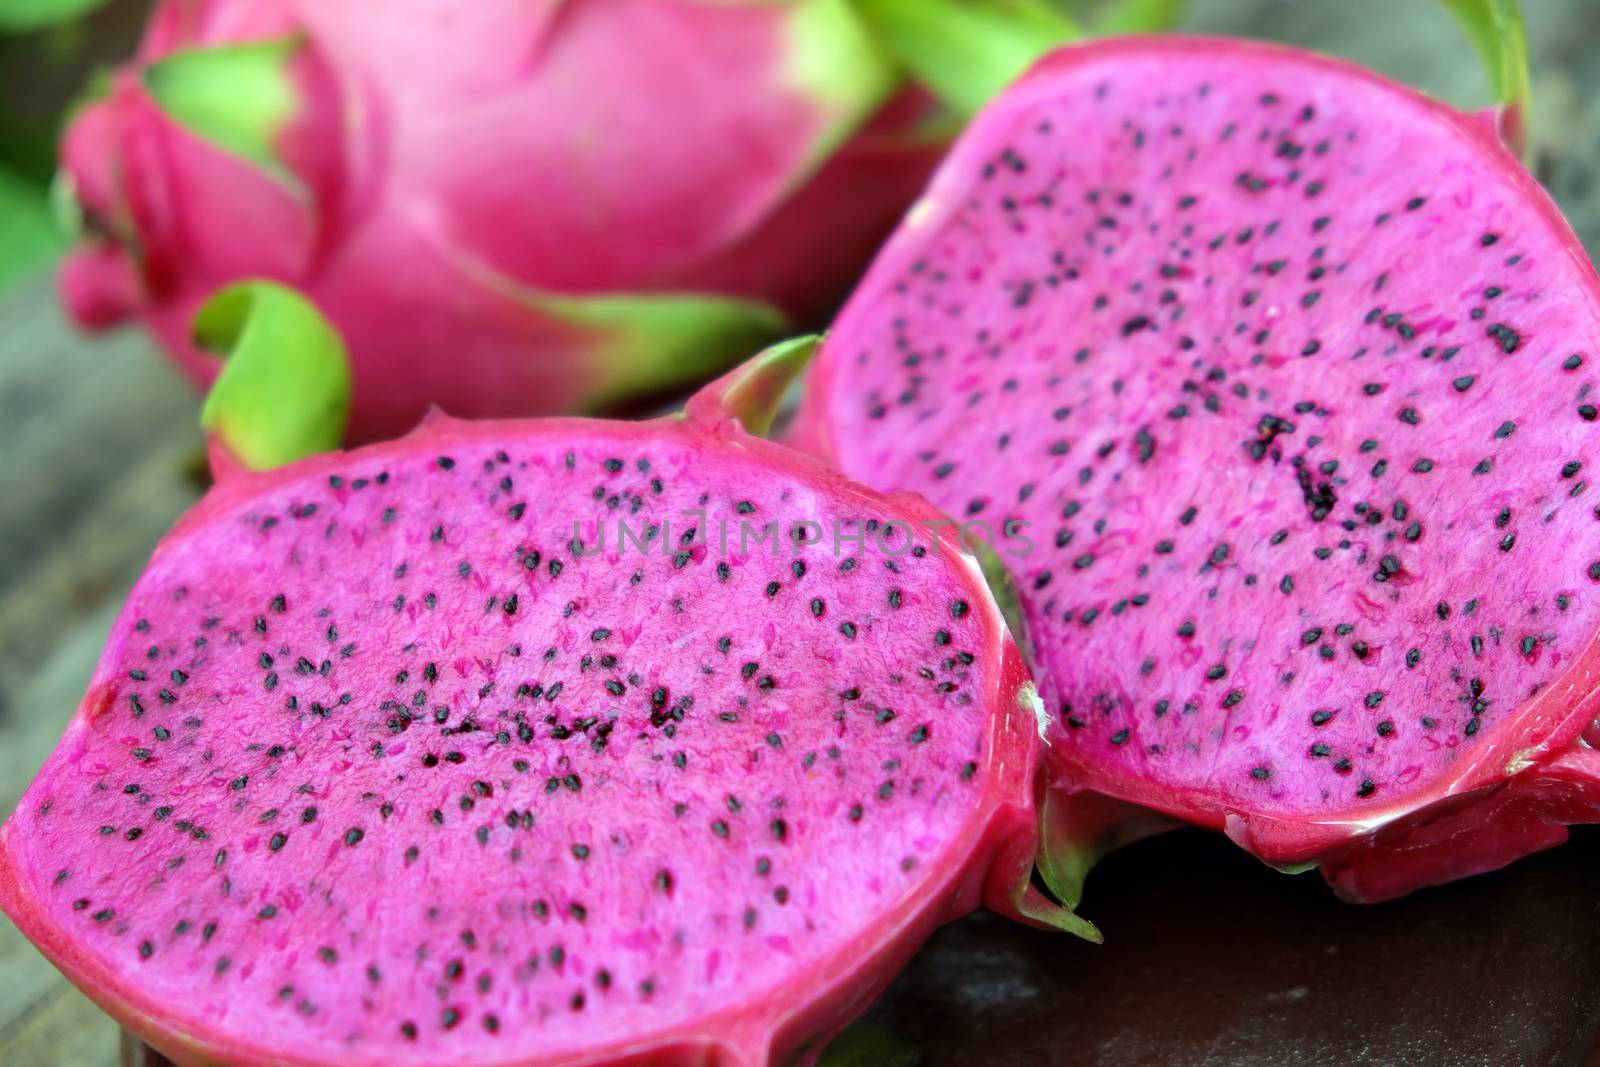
point(774, 841)
point(1138, 256)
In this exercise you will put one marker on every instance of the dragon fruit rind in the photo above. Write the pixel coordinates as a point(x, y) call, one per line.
point(1288, 373)
point(484, 746)
point(507, 207)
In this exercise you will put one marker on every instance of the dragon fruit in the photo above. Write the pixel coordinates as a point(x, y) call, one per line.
point(488, 199)
point(531, 742)
point(1279, 380)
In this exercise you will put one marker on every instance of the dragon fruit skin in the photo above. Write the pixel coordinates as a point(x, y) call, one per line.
point(392, 774)
point(1287, 372)
point(488, 201)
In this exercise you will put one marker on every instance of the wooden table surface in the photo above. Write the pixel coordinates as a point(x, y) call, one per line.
point(1210, 957)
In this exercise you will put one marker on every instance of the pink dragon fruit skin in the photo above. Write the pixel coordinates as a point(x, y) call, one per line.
point(381, 766)
point(511, 207)
point(1289, 374)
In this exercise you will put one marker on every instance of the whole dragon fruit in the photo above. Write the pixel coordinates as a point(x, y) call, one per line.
point(508, 207)
point(1288, 373)
point(533, 742)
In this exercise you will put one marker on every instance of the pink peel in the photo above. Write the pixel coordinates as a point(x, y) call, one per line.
point(405, 169)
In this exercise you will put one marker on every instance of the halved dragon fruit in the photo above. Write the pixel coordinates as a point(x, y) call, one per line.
point(532, 742)
point(1276, 382)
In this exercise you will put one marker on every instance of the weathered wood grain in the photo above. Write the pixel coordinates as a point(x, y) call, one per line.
point(95, 442)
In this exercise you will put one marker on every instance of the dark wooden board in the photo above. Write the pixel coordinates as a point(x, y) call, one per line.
point(1213, 958)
